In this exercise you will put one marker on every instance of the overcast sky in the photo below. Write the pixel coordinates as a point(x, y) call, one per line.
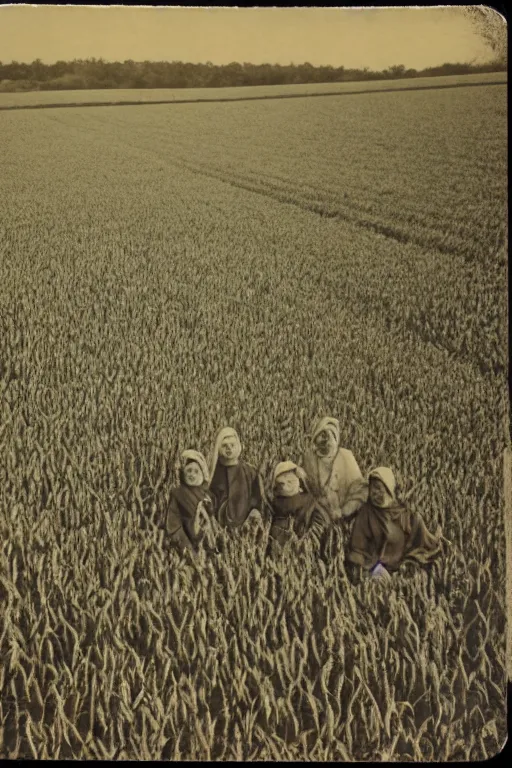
point(374, 38)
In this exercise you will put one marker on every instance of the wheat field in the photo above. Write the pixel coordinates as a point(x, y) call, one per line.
point(165, 271)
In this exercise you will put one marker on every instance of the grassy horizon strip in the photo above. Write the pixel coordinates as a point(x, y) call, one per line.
point(248, 98)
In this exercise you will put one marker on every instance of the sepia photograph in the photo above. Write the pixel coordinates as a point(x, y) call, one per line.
point(255, 452)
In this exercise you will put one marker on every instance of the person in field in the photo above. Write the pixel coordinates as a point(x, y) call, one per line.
point(236, 485)
point(294, 510)
point(332, 472)
point(385, 533)
point(191, 506)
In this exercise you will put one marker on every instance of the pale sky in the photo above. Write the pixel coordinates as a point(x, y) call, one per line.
point(352, 37)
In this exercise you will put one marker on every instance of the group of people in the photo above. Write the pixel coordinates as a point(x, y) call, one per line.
point(324, 489)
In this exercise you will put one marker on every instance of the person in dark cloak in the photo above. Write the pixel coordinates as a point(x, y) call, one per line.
point(294, 509)
point(191, 506)
point(236, 485)
point(385, 533)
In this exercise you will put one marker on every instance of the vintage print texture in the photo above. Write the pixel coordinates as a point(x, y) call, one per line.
point(253, 381)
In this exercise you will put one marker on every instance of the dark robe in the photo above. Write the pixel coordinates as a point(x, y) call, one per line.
point(299, 515)
point(238, 490)
point(391, 536)
point(181, 520)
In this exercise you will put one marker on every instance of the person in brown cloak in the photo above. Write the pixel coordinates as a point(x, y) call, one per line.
point(332, 472)
point(236, 485)
point(191, 505)
point(294, 509)
point(385, 533)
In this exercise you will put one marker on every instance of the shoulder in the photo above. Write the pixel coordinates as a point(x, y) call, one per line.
point(175, 496)
point(249, 469)
point(217, 472)
point(277, 507)
point(364, 512)
point(345, 454)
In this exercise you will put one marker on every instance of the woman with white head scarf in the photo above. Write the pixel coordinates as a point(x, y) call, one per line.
point(386, 533)
point(332, 472)
point(191, 504)
point(237, 485)
point(294, 509)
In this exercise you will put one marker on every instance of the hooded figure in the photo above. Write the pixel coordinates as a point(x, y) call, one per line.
point(189, 501)
point(385, 532)
point(332, 472)
point(237, 485)
point(294, 509)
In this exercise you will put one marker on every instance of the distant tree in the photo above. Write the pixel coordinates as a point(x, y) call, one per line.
point(58, 69)
point(39, 71)
point(234, 74)
point(396, 71)
point(98, 73)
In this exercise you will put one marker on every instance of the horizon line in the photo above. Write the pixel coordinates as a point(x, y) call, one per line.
point(103, 60)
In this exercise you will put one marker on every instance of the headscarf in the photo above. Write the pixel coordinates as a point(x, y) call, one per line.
point(221, 435)
point(287, 466)
point(329, 423)
point(396, 510)
point(386, 476)
point(188, 456)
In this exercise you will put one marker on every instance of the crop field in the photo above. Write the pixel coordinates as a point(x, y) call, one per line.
point(166, 271)
point(148, 95)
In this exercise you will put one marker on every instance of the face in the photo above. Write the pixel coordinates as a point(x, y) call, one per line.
point(230, 448)
point(379, 494)
point(192, 474)
point(325, 443)
point(287, 484)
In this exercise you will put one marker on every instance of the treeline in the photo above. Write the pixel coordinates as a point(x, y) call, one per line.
point(97, 73)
